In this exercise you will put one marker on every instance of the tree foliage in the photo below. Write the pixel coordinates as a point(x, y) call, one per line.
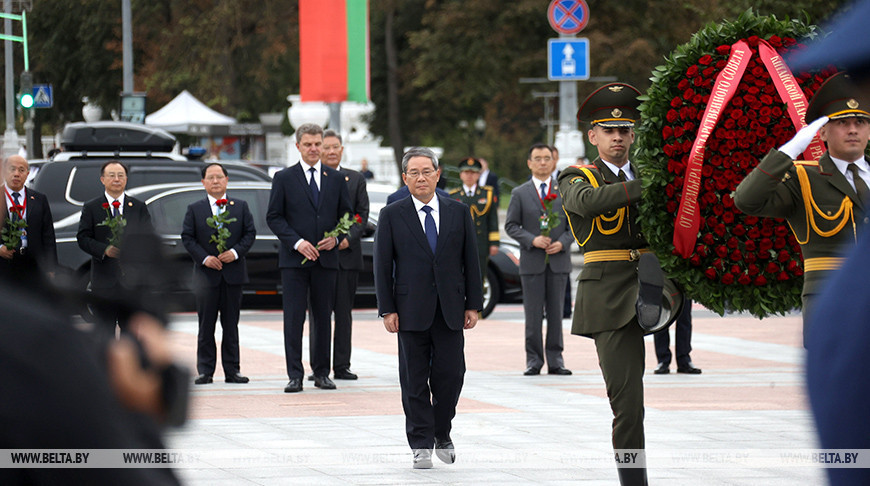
point(457, 60)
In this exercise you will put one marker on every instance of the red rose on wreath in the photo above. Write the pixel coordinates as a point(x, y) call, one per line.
point(761, 255)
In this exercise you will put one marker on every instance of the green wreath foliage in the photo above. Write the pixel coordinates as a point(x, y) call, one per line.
point(741, 263)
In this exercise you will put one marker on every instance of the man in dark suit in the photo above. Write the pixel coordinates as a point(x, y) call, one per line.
point(36, 256)
point(218, 272)
point(350, 259)
point(427, 280)
point(94, 238)
point(545, 263)
point(488, 178)
point(306, 201)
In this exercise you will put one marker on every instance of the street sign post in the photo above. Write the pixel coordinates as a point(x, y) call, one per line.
point(568, 17)
point(568, 59)
point(42, 96)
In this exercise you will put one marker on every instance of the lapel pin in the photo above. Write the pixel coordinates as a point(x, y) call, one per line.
point(232, 203)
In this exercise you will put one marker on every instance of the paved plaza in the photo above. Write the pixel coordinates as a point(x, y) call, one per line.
point(742, 422)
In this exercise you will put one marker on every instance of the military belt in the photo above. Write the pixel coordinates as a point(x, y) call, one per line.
point(822, 263)
point(614, 255)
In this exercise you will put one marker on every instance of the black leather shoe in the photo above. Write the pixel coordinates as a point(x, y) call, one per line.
point(532, 371)
point(324, 383)
point(662, 369)
point(650, 280)
point(422, 459)
point(237, 378)
point(311, 377)
point(293, 386)
point(558, 371)
point(689, 369)
point(344, 375)
point(445, 451)
point(203, 380)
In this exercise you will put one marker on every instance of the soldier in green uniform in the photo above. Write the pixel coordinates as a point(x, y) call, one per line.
point(483, 203)
point(600, 202)
point(824, 201)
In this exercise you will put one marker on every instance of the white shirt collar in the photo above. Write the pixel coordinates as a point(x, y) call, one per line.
point(433, 203)
point(843, 166)
point(629, 175)
point(307, 168)
point(110, 198)
point(212, 200)
point(466, 189)
point(537, 182)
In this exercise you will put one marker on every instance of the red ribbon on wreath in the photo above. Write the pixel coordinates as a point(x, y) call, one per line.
point(688, 219)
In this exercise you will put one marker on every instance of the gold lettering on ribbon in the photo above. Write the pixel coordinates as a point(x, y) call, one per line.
point(688, 221)
point(791, 95)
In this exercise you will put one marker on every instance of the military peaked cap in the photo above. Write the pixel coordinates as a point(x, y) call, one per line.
point(470, 163)
point(613, 105)
point(838, 98)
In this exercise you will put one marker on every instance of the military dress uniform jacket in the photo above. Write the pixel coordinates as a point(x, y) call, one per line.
point(822, 209)
point(484, 211)
point(602, 213)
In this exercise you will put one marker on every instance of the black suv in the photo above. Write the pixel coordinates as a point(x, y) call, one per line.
point(73, 176)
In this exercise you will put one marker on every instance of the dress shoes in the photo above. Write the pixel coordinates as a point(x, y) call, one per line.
point(203, 380)
point(445, 451)
point(532, 371)
point(344, 375)
point(662, 369)
point(558, 371)
point(650, 280)
point(689, 368)
point(422, 459)
point(236, 378)
point(311, 377)
point(293, 386)
point(324, 383)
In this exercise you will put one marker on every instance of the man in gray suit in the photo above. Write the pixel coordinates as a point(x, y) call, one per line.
point(544, 260)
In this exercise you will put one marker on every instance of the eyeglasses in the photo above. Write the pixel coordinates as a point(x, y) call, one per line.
point(215, 178)
point(414, 174)
point(115, 176)
point(542, 159)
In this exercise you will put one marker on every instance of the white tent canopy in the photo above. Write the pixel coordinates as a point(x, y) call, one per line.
point(186, 114)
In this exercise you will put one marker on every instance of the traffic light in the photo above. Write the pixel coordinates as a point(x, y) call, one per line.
point(25, 99)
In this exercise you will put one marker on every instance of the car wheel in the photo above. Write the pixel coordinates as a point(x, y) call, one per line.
point(491, 292)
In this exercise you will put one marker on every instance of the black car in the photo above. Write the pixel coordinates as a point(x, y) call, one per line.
point(72, 177)
point(168, 203)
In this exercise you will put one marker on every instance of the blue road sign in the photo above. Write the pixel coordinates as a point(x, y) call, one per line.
point(42, 96)
point(568, 59)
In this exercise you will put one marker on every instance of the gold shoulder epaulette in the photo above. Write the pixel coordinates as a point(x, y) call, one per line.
point(455, 191)
point(811, 163)
point(586, 166)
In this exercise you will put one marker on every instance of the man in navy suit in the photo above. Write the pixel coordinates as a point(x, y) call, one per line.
point(428, 284)
point(93, 238)
point(36, 256)
point(218, 275)
point(306, 201)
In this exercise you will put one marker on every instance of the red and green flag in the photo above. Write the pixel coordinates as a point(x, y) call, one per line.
point(334, 50)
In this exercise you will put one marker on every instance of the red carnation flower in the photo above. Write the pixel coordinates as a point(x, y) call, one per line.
point(105, 205)
point(116, 204)
point(357, 218)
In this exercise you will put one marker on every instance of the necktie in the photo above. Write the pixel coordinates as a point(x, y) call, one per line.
point(860, 185)
point(115, 209)
point(621, 175)
point(543, 190)
point(15, 197)
point(431, 231)
point(314, 190)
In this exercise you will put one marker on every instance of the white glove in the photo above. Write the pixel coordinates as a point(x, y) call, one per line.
point(802, 139)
